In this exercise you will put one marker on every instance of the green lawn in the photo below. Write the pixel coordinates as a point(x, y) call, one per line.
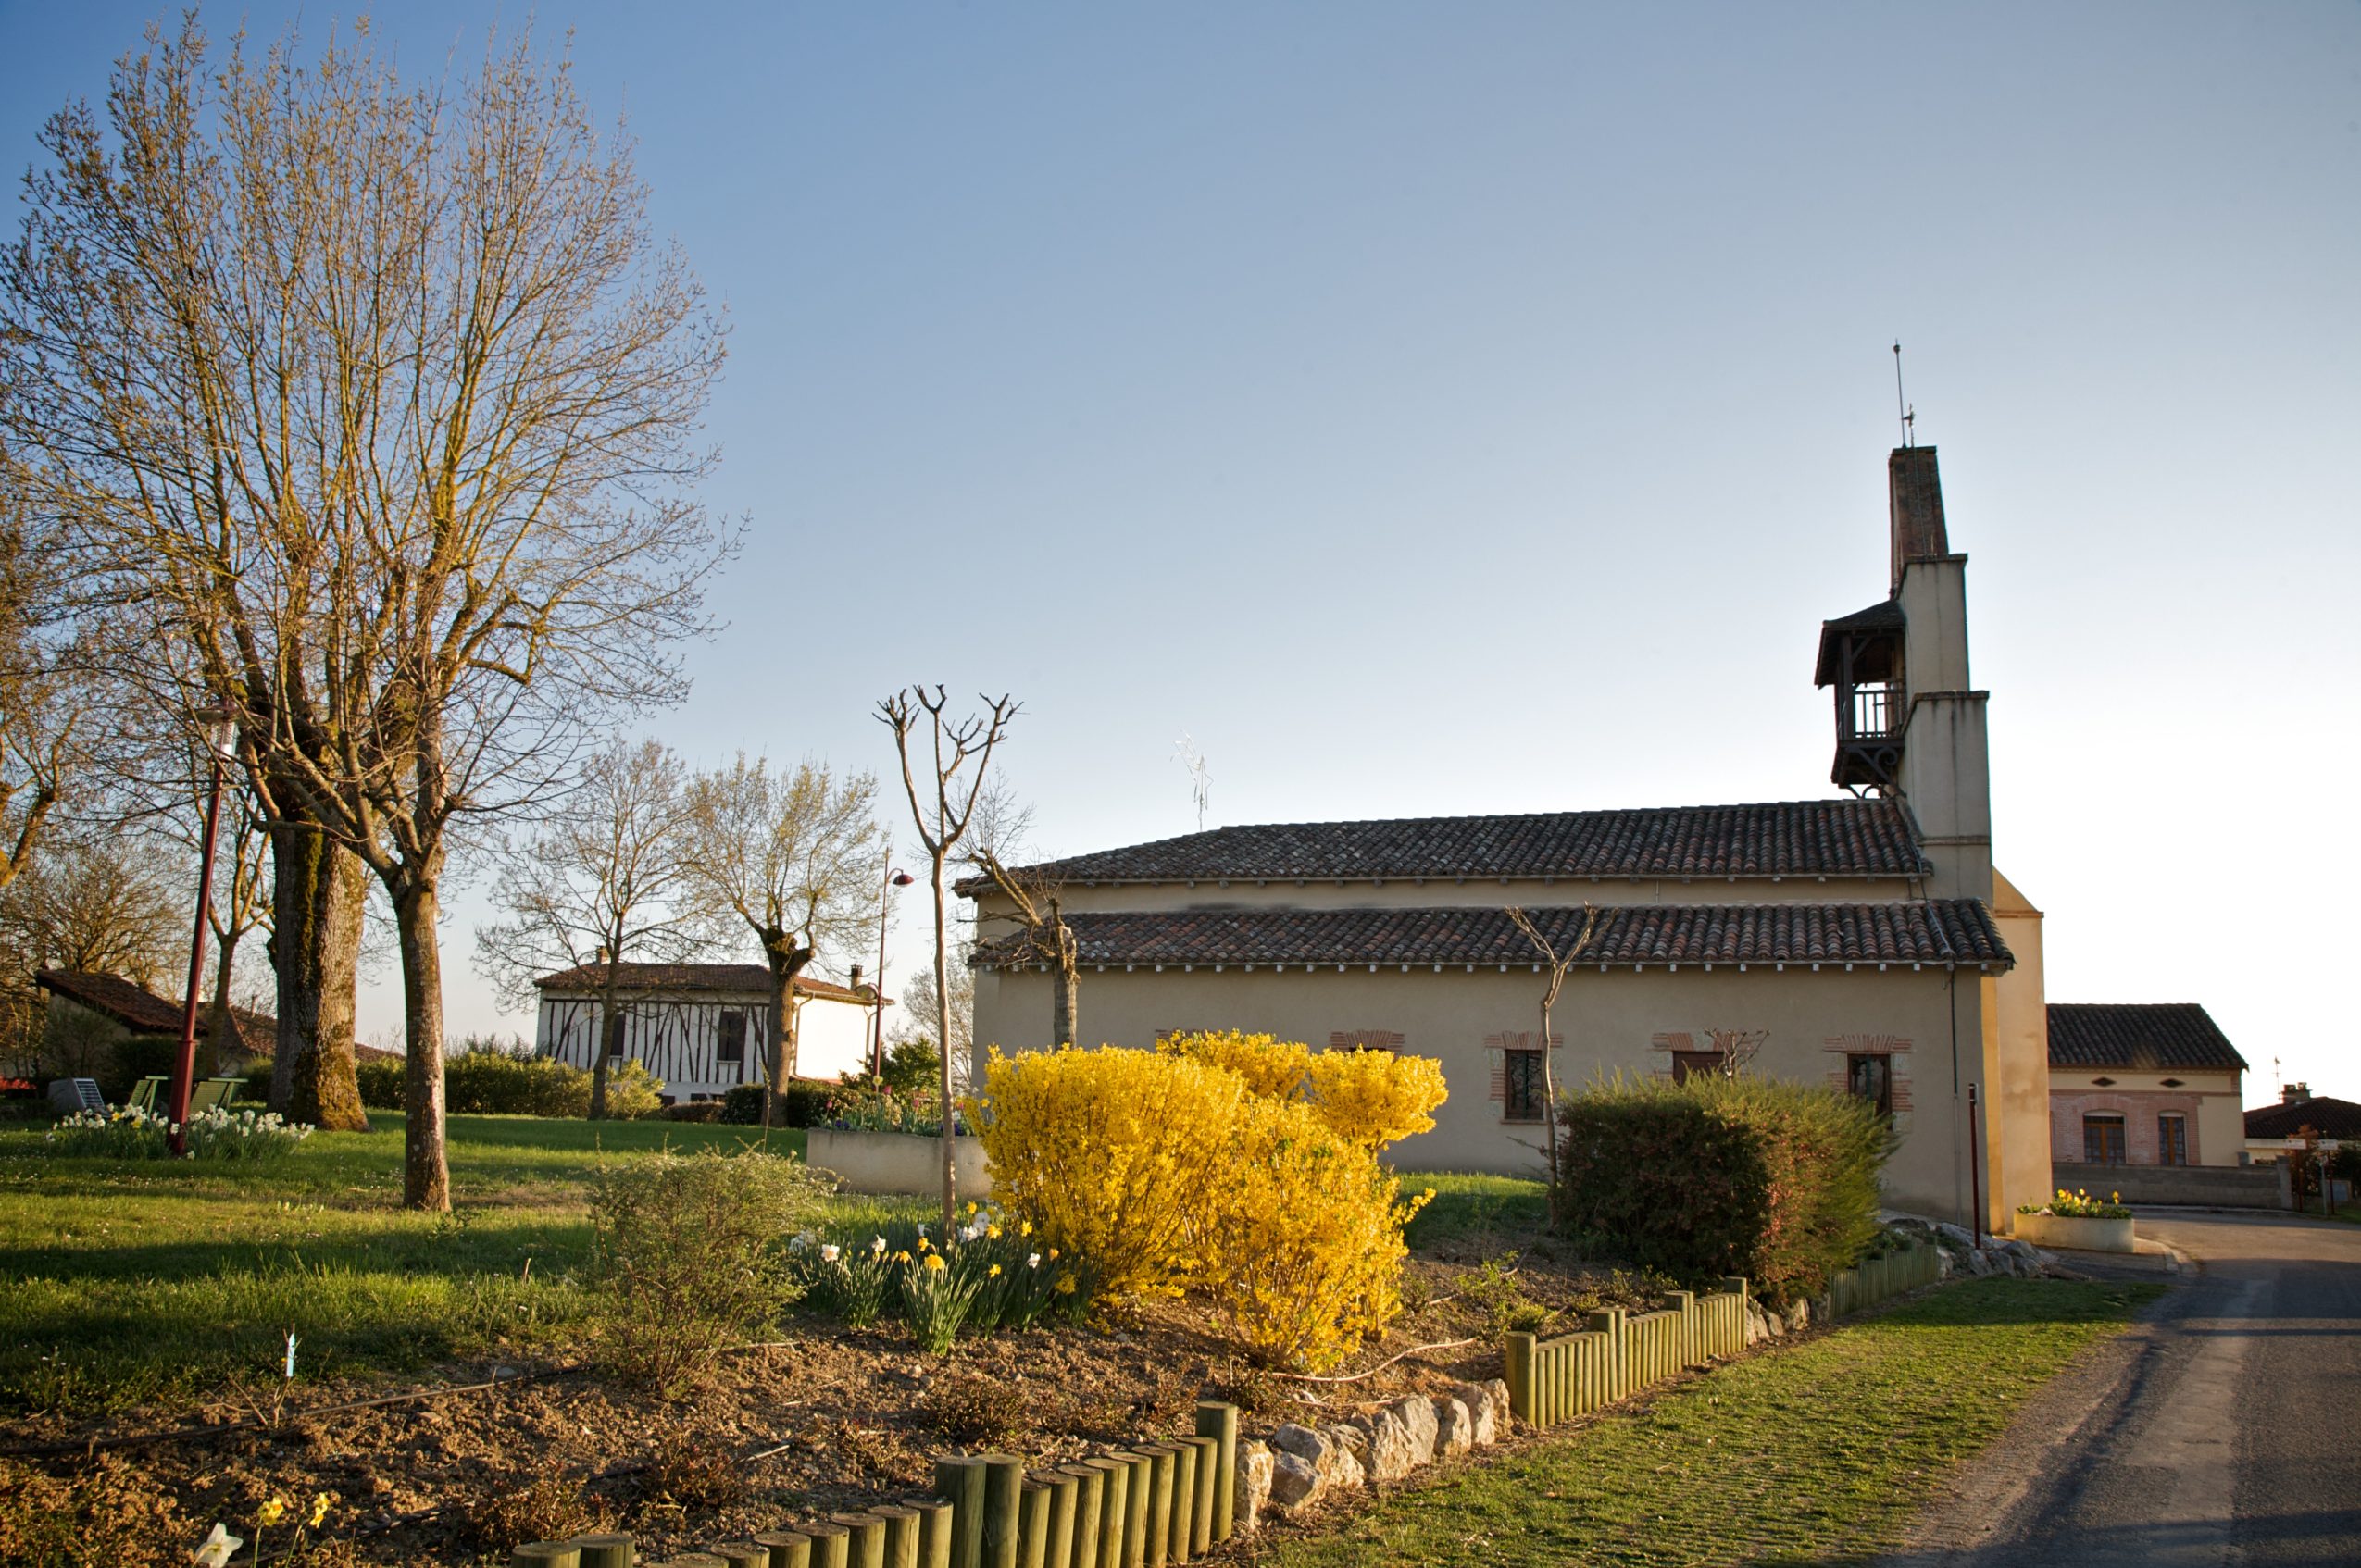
point(1818, 1453)
point(125, 1281)
point(1474, 1208)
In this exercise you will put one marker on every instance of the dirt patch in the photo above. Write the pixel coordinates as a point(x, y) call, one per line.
point(825, 1421)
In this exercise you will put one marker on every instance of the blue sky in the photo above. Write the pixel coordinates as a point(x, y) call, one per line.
point(1477, 408)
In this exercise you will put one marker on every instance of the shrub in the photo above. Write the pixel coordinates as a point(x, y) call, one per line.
point(687, 1250)
point(807, 1104)
point(633, 1092)
point(1714, 1176)
point(1167, 1174)
point(1374, 1097)
point(482, 1079)
point(380, 1084)
point(2079, 1205)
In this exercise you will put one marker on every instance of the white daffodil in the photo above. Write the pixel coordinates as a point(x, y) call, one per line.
point(216, 1548)
point(1033, 1262)
point(827, 1253)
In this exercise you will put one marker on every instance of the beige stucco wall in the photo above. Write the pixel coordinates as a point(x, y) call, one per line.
point(2017, 1072)
point(2212, 1102)
point(1611, 1022)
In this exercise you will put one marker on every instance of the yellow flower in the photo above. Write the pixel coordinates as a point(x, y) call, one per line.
point(993, 1231)
point(934, 1261)
point(993, 1273)
point(1025, 1228)
point(1052, 1254)
point(320, 1505)
point(2115, 1197)
point(271, 1513)
point(902, 1257)
point(971, 1207)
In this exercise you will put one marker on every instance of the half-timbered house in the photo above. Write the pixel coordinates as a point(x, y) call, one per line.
point(700, 1028)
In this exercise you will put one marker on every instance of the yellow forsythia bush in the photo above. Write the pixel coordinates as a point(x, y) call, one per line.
point(1375, 1097)
point(1178, 1170)
point(1272, 1068)
point(1108, 1152)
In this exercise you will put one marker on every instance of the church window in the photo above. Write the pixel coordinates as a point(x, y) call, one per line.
point(2102, 1141)
point(1527, 1096)
point(1869, 1075)
point(2172, 1140)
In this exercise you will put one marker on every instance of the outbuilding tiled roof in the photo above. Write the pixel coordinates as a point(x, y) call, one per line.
point(2325, 1114)
point(726, 978)
point(2141, 1036)
point(1835, 838)
point(145, 1013)
point(1920, 931)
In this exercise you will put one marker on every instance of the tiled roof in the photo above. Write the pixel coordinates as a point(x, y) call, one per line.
point(2325, 1114)
point(1837, 838)
point(145, 1013)
point(1930, 932)
point(730, 977)
point(2143, 1036)
point(1884, 616)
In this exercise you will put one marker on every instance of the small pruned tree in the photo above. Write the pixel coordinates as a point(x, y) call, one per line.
point(1558, 954)
point(603, 880)
point(793, 860)
point(955, 757)
point(1035, 903)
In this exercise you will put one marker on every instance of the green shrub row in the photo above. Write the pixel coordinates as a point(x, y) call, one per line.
point(482, 1079)
point(1716, 1176)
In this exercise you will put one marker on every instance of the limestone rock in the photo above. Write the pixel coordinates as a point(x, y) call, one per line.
point(1356, 1435)
point(1488, 1416)
point(1295, 1482)
point(1454, 1427)
point(1957, 1237)
point(1344, 1468)
point(1254, 1466)
point(1328, 1453)
point(1383, 1444)
point(1799, 1315)
point(1417, 1416)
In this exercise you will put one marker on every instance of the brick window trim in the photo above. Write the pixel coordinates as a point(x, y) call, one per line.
point(2139, 1109)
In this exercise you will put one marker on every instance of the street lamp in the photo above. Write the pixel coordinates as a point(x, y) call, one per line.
point(221, 739)
point(877, 1039)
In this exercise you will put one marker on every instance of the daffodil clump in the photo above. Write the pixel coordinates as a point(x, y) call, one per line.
point(993, 1271)
point(2079, 1205)
point(1235, 1167)
point(126, 1132)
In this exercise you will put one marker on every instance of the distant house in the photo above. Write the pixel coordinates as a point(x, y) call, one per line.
point(2273, 1130)
point(700, 1028)
point(2144, 1083)
point(91, 1011)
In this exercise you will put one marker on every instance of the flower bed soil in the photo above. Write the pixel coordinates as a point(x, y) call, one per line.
point(825, 1421)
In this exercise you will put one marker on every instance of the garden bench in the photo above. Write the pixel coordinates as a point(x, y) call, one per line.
point(212, 1094)
point(145, 1092)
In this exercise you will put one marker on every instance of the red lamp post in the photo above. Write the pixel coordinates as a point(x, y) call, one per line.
point(877, 1030)
point(221, 739)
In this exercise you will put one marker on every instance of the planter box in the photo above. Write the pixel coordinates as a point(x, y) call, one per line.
point(2075, 1234)
point(898, 1161)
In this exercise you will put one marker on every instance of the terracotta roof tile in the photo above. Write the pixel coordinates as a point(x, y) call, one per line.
point(1833, 838)
point(1932, 931)
point(2143, 1037)
point(145, 1013)
point(694, 977)
point(2325, 1114)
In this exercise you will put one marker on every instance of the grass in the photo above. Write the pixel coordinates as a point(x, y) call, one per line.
point(1474, 1207)
point(124, 1281)
point(1819, 1453)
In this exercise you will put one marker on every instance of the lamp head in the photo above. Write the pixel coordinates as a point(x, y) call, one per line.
point(902, 878)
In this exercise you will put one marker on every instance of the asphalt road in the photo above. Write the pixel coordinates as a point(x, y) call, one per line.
point(2227, 1430)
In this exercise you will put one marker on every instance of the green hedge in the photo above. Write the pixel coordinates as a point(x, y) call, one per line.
point(1716, 1176)
point(807, 1104)
point(482, 1079)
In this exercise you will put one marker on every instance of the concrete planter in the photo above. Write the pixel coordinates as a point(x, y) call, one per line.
point(2076, 1233)
point(898, 1161)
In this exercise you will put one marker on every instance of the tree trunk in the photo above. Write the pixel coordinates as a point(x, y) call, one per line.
point(316, 904)
point(1549, 1115)
point(786, 960)
point(218, 1025)
point(943, 1050)
point(611, 1037)
point(1065, 1002)
point(426, 1171)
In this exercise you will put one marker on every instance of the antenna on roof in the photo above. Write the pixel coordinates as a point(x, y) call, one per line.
point(1200, 781)
point(1907, 415)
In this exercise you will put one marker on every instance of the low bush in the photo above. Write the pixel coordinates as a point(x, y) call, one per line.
point(807, 1104)
point(380, 1084)
point(1169, 1173)
point(482, 1079)
point(690, 1253)
point(1716, 1176)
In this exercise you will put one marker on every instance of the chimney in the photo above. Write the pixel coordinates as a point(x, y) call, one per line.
point(2295, 1094)
point(1916, 493)
point(854, 983)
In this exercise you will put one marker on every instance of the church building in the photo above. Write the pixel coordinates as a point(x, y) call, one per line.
point(1863, 941)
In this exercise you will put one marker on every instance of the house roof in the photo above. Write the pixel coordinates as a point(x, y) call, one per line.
point(2325, 1114)
point(145, 1013)
point(733, 978)
point(1884, 616)
point(2143, 1037)
point(1834, 838)
point(1921, 931)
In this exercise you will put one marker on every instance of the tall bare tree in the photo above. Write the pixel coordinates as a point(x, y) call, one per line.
point(381, 401)
point(1036, 904)
point(793, 860)
point(1559, 956)
point(603, 880)
point(942, 812)
point(38, 713)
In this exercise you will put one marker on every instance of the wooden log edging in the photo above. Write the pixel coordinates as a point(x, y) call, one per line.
point(1152, 1504)
point(1619, 1353)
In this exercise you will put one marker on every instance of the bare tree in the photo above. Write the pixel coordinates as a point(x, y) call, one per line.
point(923, 1014)
point(381, 402)
point(605, 879)
point(96, 904)
point(942, 813)
point(1736, 1048)
point(1035, 903)
point(38, 715)
point(793, 860)
point(1559, 959)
